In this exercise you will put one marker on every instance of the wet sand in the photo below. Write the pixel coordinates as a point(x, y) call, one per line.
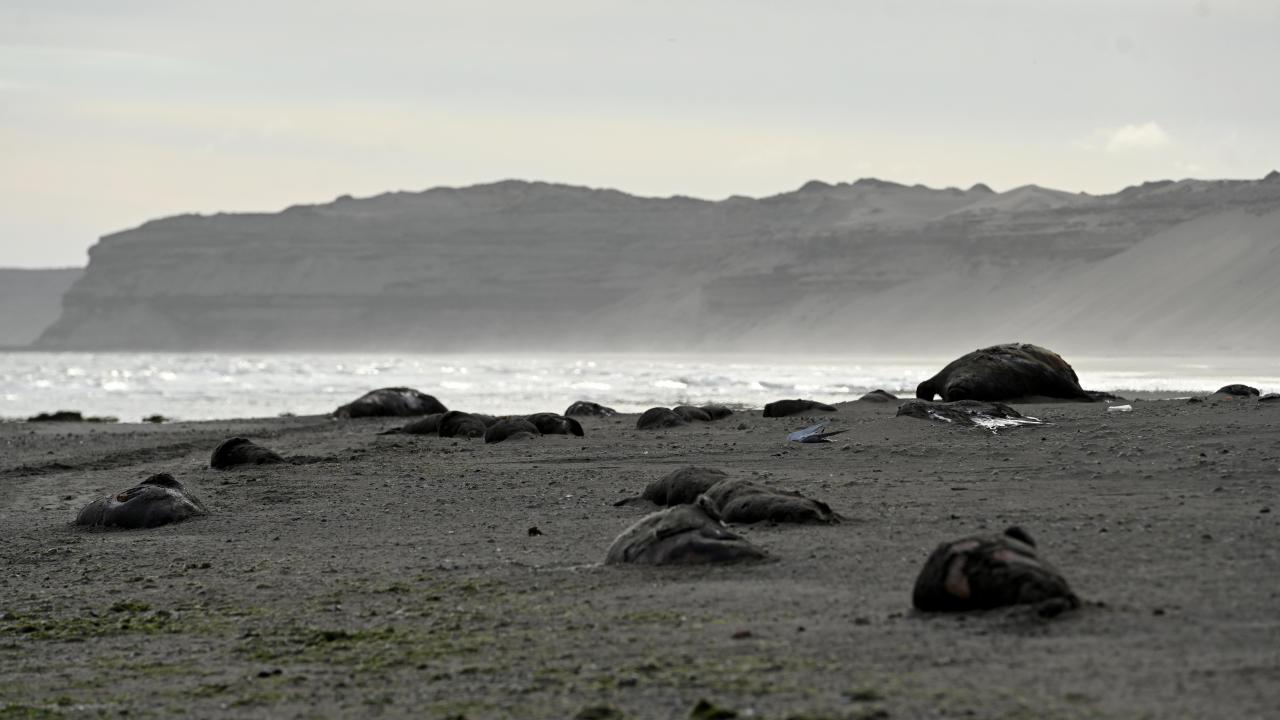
point(396, 575)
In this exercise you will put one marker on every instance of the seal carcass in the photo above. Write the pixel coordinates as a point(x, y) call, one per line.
point(990, 571)
point(656, 418)
point(553, 424)
point(583, 408)
point(1005, 372)
point(784, 408)
point(158, 500)
point(681, 535)
point(239, 451)
point(391, 402)
point(510, 429)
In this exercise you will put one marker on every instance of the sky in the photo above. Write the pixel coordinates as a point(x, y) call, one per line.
point(114, 112)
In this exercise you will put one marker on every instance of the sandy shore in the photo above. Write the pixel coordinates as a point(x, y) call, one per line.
point(396, 576)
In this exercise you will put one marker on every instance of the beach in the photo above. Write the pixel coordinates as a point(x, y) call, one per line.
point(401, 576)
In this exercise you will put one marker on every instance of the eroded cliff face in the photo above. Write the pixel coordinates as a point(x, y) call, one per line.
point(868, 266)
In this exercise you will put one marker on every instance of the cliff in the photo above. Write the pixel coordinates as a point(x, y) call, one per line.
point(870, 266)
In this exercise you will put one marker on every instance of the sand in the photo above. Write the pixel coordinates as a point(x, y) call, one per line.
point(396, 575)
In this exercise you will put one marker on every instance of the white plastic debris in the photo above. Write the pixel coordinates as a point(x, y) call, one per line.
point(1120, 408)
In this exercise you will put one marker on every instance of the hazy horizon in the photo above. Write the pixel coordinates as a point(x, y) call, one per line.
point(112, 114)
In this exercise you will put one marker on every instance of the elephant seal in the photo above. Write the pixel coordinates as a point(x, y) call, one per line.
point(239, 451)
point(784, 408)
point(429, 425)
point(679, 487)
point(158, 500)
point(878, 396)
point(1269, 397)
point(716, 411)
point(582, 408)
point(553, 424)
point(1235, 392)
point(659, 417)
point(456, 423)
point(742, 501)
point(691, 413)
point(391, 402)
point(510, 429)
point(681, 535)
point(990, 571)
point(1016, 371)
point(734, 500)
point(991, 415)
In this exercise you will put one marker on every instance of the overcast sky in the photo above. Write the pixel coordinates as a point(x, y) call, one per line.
point(114, 112)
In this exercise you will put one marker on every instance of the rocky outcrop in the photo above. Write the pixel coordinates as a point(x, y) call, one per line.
point(537, 266)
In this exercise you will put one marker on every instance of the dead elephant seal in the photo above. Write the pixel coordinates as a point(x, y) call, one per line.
point(456, 423)
point(681, 535)
point(742, 501)
point(391, 402)
point(878, 396)
point(735, 500)
point(510, 429)
point(553, 424)
point(582, 408)
point(785, 408)
point(239, 451)
point(991, 415)
point(429, 425)
point(1235, 392)
point(1005, 372)
point(990, 571)
point(656, 418)
point(158, 500)
point(717, 411)
point(679, 487)
point(691, 413)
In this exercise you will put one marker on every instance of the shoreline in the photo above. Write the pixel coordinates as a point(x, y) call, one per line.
point(396, 574)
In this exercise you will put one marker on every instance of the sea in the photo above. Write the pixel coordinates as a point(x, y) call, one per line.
point(212, 386)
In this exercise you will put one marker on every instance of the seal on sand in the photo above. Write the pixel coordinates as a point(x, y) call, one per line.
point(659, 417)
point(391, 402)
point(679, 487)
point(734, 500)
point(878, 396)
point(691, 413)
point(456, 423)
point(429, 425)
point(1005, 372)
point(990, 571)
point(785, 408)
point(553, 424)
point(990, 415)
point(681, 535)
point(582, 408)
point(158, 500)
point(716, 411)
point(510, 429)
point(1236, 392)
point(742, 501)
point(239, 451)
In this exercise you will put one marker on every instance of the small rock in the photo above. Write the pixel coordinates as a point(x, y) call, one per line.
point(534, 531)
point(269, 672)
point(741, 634)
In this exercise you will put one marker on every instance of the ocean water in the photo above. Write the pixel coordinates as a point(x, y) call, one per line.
point(208, 386)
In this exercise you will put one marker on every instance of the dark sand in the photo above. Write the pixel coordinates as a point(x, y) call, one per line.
point(395, 575)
